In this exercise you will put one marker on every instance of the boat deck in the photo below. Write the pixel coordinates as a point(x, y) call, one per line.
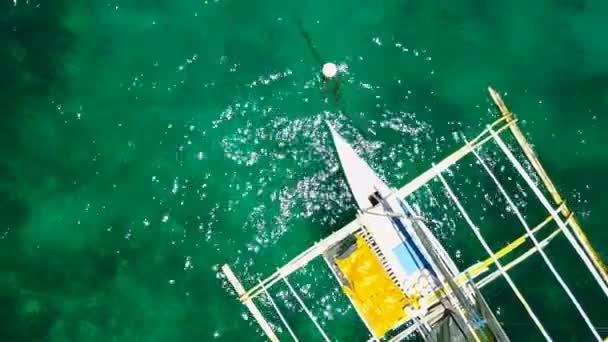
point(364, 279)
point(376, 265)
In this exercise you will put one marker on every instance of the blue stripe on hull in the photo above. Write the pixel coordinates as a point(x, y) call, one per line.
point(408, 253)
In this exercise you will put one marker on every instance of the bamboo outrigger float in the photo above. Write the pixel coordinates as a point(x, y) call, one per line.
point(399, 278)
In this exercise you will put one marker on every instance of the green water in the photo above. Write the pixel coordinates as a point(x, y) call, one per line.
point(145, 143)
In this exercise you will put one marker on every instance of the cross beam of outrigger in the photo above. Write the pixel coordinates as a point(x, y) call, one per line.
point(399, 278)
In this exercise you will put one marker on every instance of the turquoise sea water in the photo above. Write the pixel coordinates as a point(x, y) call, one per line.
point(145, 143)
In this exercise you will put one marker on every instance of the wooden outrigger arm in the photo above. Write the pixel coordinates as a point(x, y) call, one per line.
point(559, 213)
point(253, 309)
point(557, 198)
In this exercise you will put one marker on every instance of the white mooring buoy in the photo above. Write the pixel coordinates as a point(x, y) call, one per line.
point(330, 70)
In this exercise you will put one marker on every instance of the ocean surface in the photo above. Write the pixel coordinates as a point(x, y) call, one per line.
point(146, 143)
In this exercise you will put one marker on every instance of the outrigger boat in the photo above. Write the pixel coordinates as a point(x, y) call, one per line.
point(398, 276)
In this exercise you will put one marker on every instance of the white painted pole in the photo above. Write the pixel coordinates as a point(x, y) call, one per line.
point(303, 258)
point(498, 264)
point(249, 304)
point(557, 198)
point(450, 160)
point(557, 219)
point(312, 317)
point(276, 308)
point(492, 276)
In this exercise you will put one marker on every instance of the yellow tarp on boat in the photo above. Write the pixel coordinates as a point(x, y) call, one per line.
point(374, 294)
